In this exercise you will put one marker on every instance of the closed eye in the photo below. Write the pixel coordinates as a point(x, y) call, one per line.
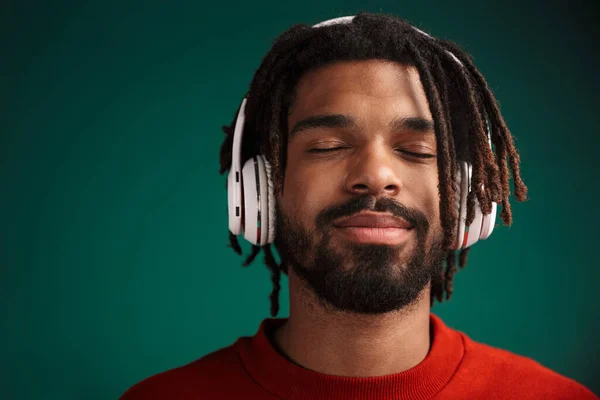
point(418, 155)
point(409, 153)
point(325, 150)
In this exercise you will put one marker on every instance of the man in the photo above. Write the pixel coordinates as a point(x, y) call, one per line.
point(375, 172)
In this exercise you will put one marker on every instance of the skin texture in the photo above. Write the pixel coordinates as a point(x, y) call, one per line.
point(359, 309)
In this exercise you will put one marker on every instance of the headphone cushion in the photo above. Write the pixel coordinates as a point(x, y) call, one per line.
point(271, 214)
point(460, 201)
point(251, 196)
point(457, 192)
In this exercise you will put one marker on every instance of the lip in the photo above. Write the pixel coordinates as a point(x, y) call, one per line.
point(374, 228)
point(373, 220)
point(391, 236)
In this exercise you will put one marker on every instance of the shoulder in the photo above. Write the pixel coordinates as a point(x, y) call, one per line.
point(202, 377)
point(515, 374)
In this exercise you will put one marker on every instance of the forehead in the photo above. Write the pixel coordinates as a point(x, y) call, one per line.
point(372, 86)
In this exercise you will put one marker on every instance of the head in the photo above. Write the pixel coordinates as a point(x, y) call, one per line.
point(372, 116)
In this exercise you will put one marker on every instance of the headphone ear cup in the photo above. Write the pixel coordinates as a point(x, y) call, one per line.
point(474, 231)
point(235, 196)
point(488, 222)
point(234, 202)
point(482, 225)
point(271, 208)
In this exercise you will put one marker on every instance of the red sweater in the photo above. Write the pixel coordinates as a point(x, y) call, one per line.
point(456, 367)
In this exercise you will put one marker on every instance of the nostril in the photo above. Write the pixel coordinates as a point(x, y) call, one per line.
point(360, 187)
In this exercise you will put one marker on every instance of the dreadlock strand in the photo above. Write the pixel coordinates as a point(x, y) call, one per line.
point(462, 257)
point(465, 88)
point(275, 279)
point(442, 78)
point(480, 152)
point(506, 214)
point(252, 255)
point(437, 288)
point(265, 91)
point(514, 158)
point(492, 177)
point(505, 147)
point(450, 271)
point(448, 211)
point(233, 243)
point(278, 123)
point(273, 121)
point(225, 151)
point(452, 164)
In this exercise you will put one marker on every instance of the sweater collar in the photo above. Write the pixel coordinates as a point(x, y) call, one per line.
point(290, 381)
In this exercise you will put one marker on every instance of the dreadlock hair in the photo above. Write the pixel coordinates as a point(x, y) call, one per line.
point(459, 98)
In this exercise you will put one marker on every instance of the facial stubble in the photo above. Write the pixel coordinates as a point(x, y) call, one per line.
point(361, 278)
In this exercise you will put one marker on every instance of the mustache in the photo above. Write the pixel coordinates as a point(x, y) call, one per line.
point(371, 203)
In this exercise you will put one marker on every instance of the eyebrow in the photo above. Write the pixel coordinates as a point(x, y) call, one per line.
point(416, 124)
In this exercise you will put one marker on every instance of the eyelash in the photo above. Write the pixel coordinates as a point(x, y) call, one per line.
point(328, 150)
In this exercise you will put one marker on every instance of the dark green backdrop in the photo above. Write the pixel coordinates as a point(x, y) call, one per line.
point(113, 217)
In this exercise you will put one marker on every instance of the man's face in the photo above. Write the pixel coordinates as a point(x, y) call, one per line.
point(373, 117)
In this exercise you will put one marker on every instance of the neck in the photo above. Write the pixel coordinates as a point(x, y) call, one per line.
point(350, 344)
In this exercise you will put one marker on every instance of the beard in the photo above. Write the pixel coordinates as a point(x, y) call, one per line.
point(356, 277)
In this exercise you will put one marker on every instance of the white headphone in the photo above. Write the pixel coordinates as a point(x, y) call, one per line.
point(251, 199)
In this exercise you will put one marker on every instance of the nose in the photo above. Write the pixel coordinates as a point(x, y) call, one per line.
point(375, 171)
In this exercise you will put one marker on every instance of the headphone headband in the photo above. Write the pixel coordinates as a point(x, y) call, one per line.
point(237, 139)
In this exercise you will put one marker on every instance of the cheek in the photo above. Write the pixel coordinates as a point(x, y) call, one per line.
point(428, 196)
point(306, 193)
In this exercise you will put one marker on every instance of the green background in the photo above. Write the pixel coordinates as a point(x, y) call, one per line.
point(113, 217)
